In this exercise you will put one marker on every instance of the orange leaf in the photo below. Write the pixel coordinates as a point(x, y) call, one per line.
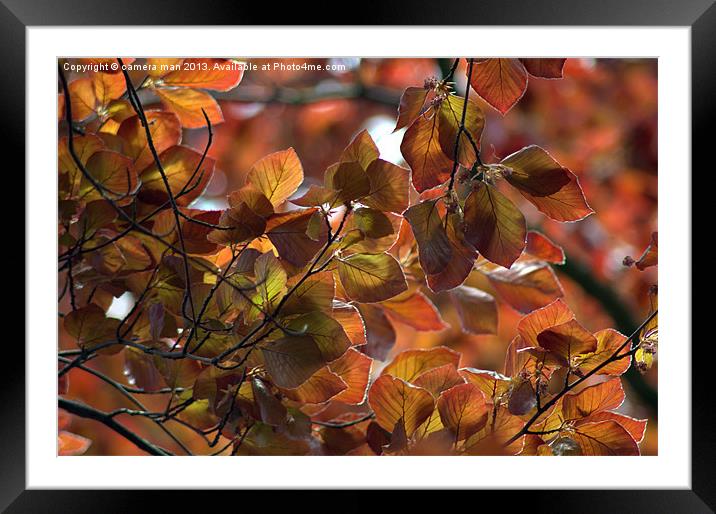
point(492, 384)
point(463, 410)
point(461, 262)
point(393, 399)
point(540, 246)
point(379, 333)
point(216, 74)
point(388, 186)
point(362, 149)
point(450, 115)
point(501, 82)
point(526, 286)
point(292, 360)
point(71, 444)
point(323, 386)
point(542, 319)
point(421, 149)
point(108, 87)
point(494, 226)
point(354, 369)
point(277, 175)
point(188, 104)
point(113, 172)
point(433, 245)
point(476, 309)
point(180, 164)
point(417, 312)
point(82, 98)
point(492, 438)
point(635, 427)
point(409, 364)
point(608, 342)
point(165, 129)
point(439, 379)
point(411, 106)
point(605, 438)
point(553, 189)
point(544, 68)
point(597, 398)
point(287, 232)
point(567, 340)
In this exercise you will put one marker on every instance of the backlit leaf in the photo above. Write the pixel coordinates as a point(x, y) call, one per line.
point(450, 114)
point(277, 175)
point(349, 179)
point(372, 223)
point(544, 68)
point(417, 311)
point(421, 150)
point(608, 342)
point(541, 247)
point(501, 82)
point(409, 364)
point(393, 399)
point(597, 398)
point(113, 172)
point(605, 438)
point(379, 332)
point(635, 427)
point(354, 369)
point(526, 286)
point(288, 233)
point(492, 384)
point(567, 340)
point(323, 386)
point(362, 149)
point(439, 379)
point(553, 189)
point(164, 127)
point(461, 262)
point(388, 186)
point(188, 105)
point(433, 245)
point(411, 106)
point(292, 360)
point(179, 164)
point(215, 74)
point(542, 319)
point(494, 226)
point(71, 444)
point(90, 327)
point(463, 410)
point(476, 309)
point(371, 278)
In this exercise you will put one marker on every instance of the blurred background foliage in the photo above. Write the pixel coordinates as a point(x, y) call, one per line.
point(600, 121)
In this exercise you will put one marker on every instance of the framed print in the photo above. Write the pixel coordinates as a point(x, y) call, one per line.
point(358, 257)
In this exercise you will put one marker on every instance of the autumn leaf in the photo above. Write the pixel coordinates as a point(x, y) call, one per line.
point(416, 311)
point(433, 245)
point(539, 320)
point(494, 226)
point(388, 186)
point(353, 368)
point(165, 130)
point(526, 286)
point(411, 106)
point(215, 74)
point(476, 309)
point(500, 82)
point(188, 104)
point(541, 247)
point(291, 361)
point(437, 380)
point(409, 364)
point(71, 444)
point(462, 259)
point(349, 179)
point(321, 387)
point(463, 410)
point(288, 233)
point(605, 438)
point(90, 327)
point(179, 164)
point(567, 340)
point(379, 332)
point(421, 149)
point(393, 399)
point(450, 116)
point(553, 189)
point(371, 278)
point(544, 68)
point(597, 398)
point(277, 175)
point(362, 149)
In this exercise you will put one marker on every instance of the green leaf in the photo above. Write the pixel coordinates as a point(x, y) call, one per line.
point(372, 223)
point(291, 361)
point(388, 187)
point(450, 114)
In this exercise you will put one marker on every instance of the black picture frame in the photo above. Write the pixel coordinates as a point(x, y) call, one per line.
point(17, 15)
